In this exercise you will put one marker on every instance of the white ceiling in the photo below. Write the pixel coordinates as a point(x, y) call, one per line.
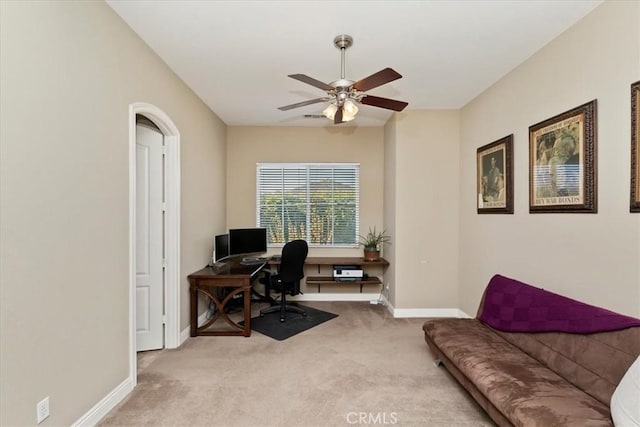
point(236, 55)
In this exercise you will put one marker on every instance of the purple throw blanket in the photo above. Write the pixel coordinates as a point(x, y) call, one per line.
point(513, 306)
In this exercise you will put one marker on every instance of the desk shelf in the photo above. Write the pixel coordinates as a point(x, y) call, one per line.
point(325, 280)
point(325, 262)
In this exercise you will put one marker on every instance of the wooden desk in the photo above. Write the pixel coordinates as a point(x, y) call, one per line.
point(331, 261)
point(233, 275)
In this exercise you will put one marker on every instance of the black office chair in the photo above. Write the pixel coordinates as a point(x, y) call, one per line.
point(287, 279)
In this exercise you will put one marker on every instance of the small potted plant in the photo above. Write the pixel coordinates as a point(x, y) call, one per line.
point(371, 243)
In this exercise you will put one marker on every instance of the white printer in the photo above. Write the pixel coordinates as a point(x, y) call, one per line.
point(347, 273)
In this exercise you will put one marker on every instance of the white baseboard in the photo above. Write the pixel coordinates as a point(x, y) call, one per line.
point(335, 297)
point(423, 312)
point(464, 315)
point(186, 332)
point(428, 312)
point(382, 300)
point(102, 408)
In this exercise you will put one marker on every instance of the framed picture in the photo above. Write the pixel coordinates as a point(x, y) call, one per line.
point(562, 162)
point(495, 177)
point(635, 147)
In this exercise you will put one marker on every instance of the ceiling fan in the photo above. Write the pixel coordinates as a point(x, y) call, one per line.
point(344, 95)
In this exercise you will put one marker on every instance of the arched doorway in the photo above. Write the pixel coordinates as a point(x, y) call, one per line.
point(171, 227)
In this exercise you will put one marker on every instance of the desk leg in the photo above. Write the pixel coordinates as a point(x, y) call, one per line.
point(194, 307)
point(247, 309)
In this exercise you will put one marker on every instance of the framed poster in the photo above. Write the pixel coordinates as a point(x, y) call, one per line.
point(495, 177)
point(635, 147)
point(562, 162)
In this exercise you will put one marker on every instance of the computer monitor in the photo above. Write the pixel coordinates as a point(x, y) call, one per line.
point(221, 247)
point(247, 241)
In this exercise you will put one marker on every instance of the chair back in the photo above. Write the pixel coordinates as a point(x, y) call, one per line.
point(294, 253)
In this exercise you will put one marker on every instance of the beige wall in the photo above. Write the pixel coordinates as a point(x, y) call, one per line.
point(593, 258)
point(247, 146)
point(69, 71)
point(422, 174)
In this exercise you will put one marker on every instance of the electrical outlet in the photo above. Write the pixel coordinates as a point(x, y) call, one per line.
point(42, 409)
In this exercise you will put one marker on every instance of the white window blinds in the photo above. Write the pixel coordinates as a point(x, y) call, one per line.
point(317, 202)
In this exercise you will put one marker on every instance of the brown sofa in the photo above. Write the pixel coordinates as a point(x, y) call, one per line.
point(546, 378)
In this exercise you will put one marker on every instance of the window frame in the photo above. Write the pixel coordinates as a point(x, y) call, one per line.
point(308, 166)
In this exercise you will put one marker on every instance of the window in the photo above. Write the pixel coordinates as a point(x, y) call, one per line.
point(317, 202)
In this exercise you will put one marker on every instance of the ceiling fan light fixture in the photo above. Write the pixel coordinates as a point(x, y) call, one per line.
point(350, 108)
point(330, 111)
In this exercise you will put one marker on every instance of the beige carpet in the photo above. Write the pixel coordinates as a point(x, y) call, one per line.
point(361, 368)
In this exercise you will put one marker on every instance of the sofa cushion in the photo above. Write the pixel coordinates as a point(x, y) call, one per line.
point(625, 402)
point(583, 359)
point(525, 391)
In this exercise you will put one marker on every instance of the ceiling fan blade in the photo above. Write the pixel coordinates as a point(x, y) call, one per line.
point(302, 104)
point(337, 119)
point(377, 79)
point(311, 81)
point(389, 104)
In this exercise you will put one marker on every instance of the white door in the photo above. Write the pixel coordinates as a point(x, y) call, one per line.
point(149, 240)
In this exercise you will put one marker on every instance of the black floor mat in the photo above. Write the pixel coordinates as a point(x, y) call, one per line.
point(295, 323)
